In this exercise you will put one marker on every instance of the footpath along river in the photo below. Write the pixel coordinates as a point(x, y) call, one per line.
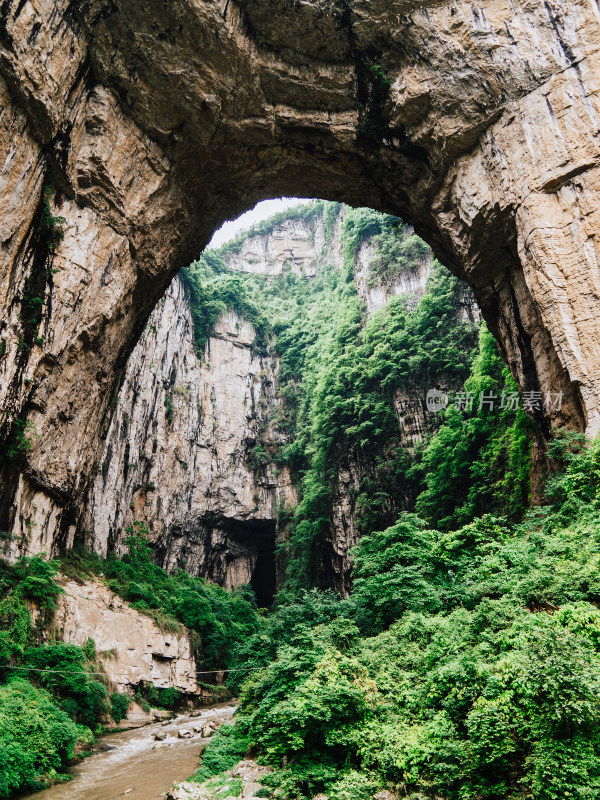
point(137, 766)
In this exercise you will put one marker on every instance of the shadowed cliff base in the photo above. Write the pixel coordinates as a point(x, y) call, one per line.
point(231, 552)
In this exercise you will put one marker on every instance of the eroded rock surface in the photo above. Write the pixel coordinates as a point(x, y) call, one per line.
point(129, 645)
point(154, 122)
point(177, 454)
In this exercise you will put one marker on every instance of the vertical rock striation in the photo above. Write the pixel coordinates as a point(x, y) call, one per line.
point(177, 454)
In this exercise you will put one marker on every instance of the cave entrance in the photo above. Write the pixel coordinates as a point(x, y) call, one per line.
point(263, 580)
point(247, 555)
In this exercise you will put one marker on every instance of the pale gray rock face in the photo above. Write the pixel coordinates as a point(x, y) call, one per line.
point(155, 122)
point(376, 294)
point(177, 451)
point(295, 245)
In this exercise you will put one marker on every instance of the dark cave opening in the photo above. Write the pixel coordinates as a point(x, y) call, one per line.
point(263, 580)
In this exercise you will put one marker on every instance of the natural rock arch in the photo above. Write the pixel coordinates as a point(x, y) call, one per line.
point(154, 121)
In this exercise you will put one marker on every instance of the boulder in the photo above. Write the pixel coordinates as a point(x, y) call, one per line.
point(187, 791)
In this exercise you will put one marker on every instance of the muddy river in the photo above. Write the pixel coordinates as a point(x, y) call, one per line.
point(136, 766)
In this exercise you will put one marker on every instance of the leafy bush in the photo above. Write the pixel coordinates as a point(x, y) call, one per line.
point(167, 698)
point(81, 696)
point(228, 747)
point(15, 628)
point(47, 697)
point(36, 736)
point(37, 581)
point(119, 705)
point(394, 572)
point(476, 674)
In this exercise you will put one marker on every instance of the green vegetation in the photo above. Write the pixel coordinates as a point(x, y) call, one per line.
point(480, 459)
point(465, 664)
point(119, 704)
point(229, 748)
point(49, 700)
point(212, 290)
point(341, 387)
point(36, 736)
point(21, 439)
point(375, 86)
point(51, 226)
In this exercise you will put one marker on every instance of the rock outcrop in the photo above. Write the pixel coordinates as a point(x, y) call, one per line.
point(154, 122)
point(129, 645)
point(248, 772)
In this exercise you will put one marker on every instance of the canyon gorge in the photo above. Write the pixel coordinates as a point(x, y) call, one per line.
point(219, 473)
point(179, 451)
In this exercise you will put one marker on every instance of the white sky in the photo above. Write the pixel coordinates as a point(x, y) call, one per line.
point(264, 210)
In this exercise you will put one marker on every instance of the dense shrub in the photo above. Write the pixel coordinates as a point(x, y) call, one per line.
point(168, 698)
point(36, 736)
point(119, 705)
point(466, 663)
point(49, 700)
point(227, 749)
point(68, 665)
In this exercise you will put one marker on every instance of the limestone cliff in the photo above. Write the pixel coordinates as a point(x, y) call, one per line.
point(154, 122)
point(129, 645)
point(178, 451)
point(294, 244)
point(414, 422)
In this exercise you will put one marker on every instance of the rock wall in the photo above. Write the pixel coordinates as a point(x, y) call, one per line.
point(295, 244)
point(178, 451)
point(155, 122)
point(130, 647)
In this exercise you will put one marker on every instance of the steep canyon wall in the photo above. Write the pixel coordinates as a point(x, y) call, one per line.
point(177, 454)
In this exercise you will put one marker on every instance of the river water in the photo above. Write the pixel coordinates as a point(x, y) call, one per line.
point(136, 767)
